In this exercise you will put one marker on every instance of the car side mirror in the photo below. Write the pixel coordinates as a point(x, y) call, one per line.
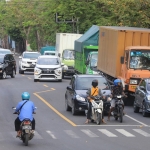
point(69, 88)
point(122, 60)
point(20, 57)
point(142, 88)
point(62, 64)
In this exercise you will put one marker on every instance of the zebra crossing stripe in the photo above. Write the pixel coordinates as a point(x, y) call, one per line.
point(107, 133)
point(51, 134)
point(124, 132)
point(71, 133)
point(142, 132)
point(89, 133)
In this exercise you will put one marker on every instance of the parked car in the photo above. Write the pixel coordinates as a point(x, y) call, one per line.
point(75, 96)
point(48, 67)
point(7, 66)
point(27, 61)
point(142, 97)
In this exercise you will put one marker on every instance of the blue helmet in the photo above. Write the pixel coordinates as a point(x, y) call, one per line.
point(25, 96)
point(117, 81)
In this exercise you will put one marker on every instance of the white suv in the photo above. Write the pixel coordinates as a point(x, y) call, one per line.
point(27, 61)
point(48, 67)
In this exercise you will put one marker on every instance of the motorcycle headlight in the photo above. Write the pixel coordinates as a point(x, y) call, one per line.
point(37, 71)
point(133, 82)
point(78, 97)
point(24, 62)
point(58, 71)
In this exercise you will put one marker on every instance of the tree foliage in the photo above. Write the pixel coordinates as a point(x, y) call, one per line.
point(35, 21)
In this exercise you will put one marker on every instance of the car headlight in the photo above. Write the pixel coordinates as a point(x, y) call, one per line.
point(58, 71)
point(1, 66)
point(78, 97)
point(24, 62)
point(148, 97)
point(37, 71)
point(133, 82)
point(65, 67)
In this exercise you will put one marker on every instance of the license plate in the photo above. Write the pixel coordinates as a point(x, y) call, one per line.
point(26, 127)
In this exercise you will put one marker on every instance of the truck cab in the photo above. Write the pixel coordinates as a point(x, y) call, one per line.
point(91, 63)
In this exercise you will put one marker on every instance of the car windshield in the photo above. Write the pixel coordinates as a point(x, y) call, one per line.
point(1, 58)
point(85, 83)
point(48, 53)
point(5, 52)
point(31, 55)
point(94, 58)
point(68, 54)
point(48, 61)
point(140, 59)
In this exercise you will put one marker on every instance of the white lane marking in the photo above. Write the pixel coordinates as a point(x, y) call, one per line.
point(51, 134)
point(107, 133)
point(36, 135)
point(89, 133)
point(29, 78)
point(136, 120)
point(111, 126)
point(71, 133)
point(142, 132)
point(124, 132)
point(45, 85)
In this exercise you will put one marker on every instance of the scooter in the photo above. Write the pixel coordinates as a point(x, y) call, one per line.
point(97, 110)
point(26, 129)
point(118, 110)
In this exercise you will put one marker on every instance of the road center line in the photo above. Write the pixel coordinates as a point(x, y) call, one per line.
point(45, 85)
point(56, 111)
point(136, 120)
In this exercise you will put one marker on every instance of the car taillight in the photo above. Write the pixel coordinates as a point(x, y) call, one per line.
point(26, 122)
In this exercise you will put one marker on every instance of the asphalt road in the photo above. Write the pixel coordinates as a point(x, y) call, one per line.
point(57, 129)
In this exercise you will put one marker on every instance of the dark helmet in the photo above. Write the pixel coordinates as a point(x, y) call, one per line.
point(25, 96)
point(95, 83)
point(117, 81)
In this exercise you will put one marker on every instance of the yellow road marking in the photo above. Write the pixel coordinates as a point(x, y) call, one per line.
point(22, 75)
point(45, 85)
point(56, 111)
point(29, 78)
point(52, 88)
point(44, 91)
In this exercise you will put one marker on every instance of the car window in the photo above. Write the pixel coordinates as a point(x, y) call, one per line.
point(72, 82)
point(11, 58)
point(85, 83)
point(31, 55)
point(48, 61)
point(143, 83)
point(5, 52)
point(6, 58)
point(148, 84)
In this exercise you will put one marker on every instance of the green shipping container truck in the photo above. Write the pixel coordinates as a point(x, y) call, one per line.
point(86, 52)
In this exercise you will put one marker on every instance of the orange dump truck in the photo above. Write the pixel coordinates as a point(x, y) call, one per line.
point(124, 52)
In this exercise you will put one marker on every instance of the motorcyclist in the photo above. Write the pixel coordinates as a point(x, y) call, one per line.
point(93, 91)
point(117, 90)
point(25, 110)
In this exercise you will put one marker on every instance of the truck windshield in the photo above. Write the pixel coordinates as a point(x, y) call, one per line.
point(93, 61)
point(68, 54)
point(140, 59)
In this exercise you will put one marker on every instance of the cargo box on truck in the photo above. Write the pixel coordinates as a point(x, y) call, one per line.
point(124, 52)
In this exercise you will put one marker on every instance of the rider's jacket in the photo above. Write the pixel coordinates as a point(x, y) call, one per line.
point(93, 92)
point(26, 111)
point(117, 90)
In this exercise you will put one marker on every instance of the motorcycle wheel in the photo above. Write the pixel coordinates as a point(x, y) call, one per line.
point(121, 115)
point(26, 139)
point(98, 118)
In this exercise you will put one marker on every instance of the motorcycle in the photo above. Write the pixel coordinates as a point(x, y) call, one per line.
point(118, 110)
point(26, 129)
point(97, 110)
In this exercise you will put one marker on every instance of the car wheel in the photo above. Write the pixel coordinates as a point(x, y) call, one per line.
point(67, 107)
point(4, 74)
point(35, 80)
point(21, 72)
point(73, 110)
point(143, 111)
point(13, 74)
point(63, 76)
point(135, 108)
point(60, 80)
